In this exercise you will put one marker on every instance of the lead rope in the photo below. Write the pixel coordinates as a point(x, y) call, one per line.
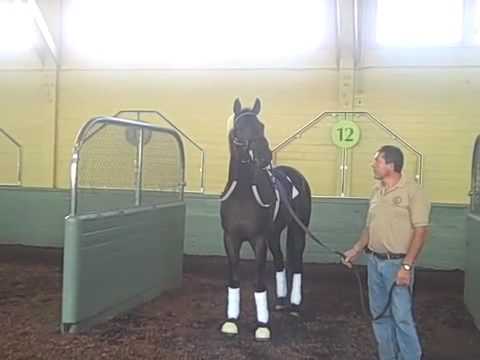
point(284, 199)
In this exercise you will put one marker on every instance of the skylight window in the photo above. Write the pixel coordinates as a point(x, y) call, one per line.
point(17, 32)
point(195, 33)
point(425, 23)
point(476, 23)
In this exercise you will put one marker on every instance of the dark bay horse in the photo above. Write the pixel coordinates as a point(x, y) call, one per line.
point(251, 210)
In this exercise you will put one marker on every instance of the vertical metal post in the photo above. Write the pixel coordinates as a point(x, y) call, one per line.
point(343, 168)
point(19, 165)
point(202, 172)
point(343, 173)
point(139, 169)
point(74, 181)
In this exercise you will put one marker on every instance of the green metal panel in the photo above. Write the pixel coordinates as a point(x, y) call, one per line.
point(117, 260)
point(337, 222)
point(472, 267)
point(32, 216)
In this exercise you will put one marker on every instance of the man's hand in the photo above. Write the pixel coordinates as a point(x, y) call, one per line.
point(350, 256)
point(403, 277)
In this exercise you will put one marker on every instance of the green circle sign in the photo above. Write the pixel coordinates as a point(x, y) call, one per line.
point(345, 134)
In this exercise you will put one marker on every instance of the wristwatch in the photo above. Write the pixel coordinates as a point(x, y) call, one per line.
point(406, 267)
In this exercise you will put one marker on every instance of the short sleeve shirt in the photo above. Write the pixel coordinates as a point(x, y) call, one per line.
point(394, 214)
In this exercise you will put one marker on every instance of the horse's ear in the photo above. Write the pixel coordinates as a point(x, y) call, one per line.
point(237, 107)
point(256, 106)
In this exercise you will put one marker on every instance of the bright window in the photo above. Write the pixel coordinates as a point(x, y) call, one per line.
point(476, 23)
point(419, 23)
point(17, 32)
point(195, 33)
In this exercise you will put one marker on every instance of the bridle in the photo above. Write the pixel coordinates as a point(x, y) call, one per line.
point(245, 145)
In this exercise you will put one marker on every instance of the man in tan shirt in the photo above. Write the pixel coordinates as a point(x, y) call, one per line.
point(396, 229)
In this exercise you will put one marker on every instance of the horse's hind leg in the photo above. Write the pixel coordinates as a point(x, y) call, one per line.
point(232, 248)
point(295, 249)
point(281, 288)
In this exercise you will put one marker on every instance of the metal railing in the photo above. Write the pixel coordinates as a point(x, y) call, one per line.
point(344, 166)
point(93, 126)
point(138, 116)
point(19, 158)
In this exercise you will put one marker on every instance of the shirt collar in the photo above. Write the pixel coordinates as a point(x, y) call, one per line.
point(401, 183)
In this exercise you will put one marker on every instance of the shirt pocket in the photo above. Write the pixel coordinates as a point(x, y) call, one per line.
point(401, 207)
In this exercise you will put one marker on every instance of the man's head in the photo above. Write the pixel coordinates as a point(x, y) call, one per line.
point(387, 161)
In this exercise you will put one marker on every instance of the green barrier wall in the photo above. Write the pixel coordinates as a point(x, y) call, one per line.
point(36, 217)
point(117, 260)
point(472, 267)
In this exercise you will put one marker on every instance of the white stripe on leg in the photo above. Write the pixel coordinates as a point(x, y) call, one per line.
point(233, 308)
point(262, 306)
point(296, 295)
point(281, 280)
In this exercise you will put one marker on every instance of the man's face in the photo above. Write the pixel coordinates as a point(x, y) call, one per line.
point(380, 167)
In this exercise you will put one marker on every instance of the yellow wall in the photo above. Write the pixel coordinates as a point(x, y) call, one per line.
point(198, 102)
point(432, 109)
point(27, 102)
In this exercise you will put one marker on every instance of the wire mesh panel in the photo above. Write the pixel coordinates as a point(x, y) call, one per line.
point(162, 170)
point(195, 166)
point(121, 164)
point(10, 160)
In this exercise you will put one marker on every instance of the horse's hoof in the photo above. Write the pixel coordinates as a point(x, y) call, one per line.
point(281, 304)
point(294, 310)
point(230, 327)
point(263, 333)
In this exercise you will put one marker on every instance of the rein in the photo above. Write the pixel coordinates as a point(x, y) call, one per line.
point(286, 202)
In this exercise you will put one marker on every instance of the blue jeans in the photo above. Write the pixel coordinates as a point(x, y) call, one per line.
point(396, 331)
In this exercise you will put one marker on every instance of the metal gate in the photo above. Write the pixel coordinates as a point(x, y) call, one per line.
point(125, 232)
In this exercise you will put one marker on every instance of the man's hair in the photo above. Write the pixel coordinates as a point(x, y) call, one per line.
point(392, 154)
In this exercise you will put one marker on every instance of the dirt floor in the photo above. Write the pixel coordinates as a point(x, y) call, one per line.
point(184, 324)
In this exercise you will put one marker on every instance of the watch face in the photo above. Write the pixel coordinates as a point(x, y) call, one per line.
point(407, 267)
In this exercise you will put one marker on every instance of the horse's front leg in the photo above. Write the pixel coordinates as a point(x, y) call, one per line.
point(232, 249)
point(262, 331)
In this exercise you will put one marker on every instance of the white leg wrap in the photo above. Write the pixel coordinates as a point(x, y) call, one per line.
point(233, 308)
point(296, 295)
point(262, 306)
point(281, 277)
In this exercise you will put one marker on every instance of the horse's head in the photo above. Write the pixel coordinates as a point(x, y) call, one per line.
point(247, 137)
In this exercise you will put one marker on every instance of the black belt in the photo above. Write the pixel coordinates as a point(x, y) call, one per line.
point(385, 256)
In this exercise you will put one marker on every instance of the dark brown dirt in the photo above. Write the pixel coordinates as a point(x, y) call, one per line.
point(184, 324)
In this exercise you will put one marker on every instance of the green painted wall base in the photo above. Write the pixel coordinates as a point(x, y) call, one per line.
point(33, 216)
point(337, 222)
point(36, 217)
